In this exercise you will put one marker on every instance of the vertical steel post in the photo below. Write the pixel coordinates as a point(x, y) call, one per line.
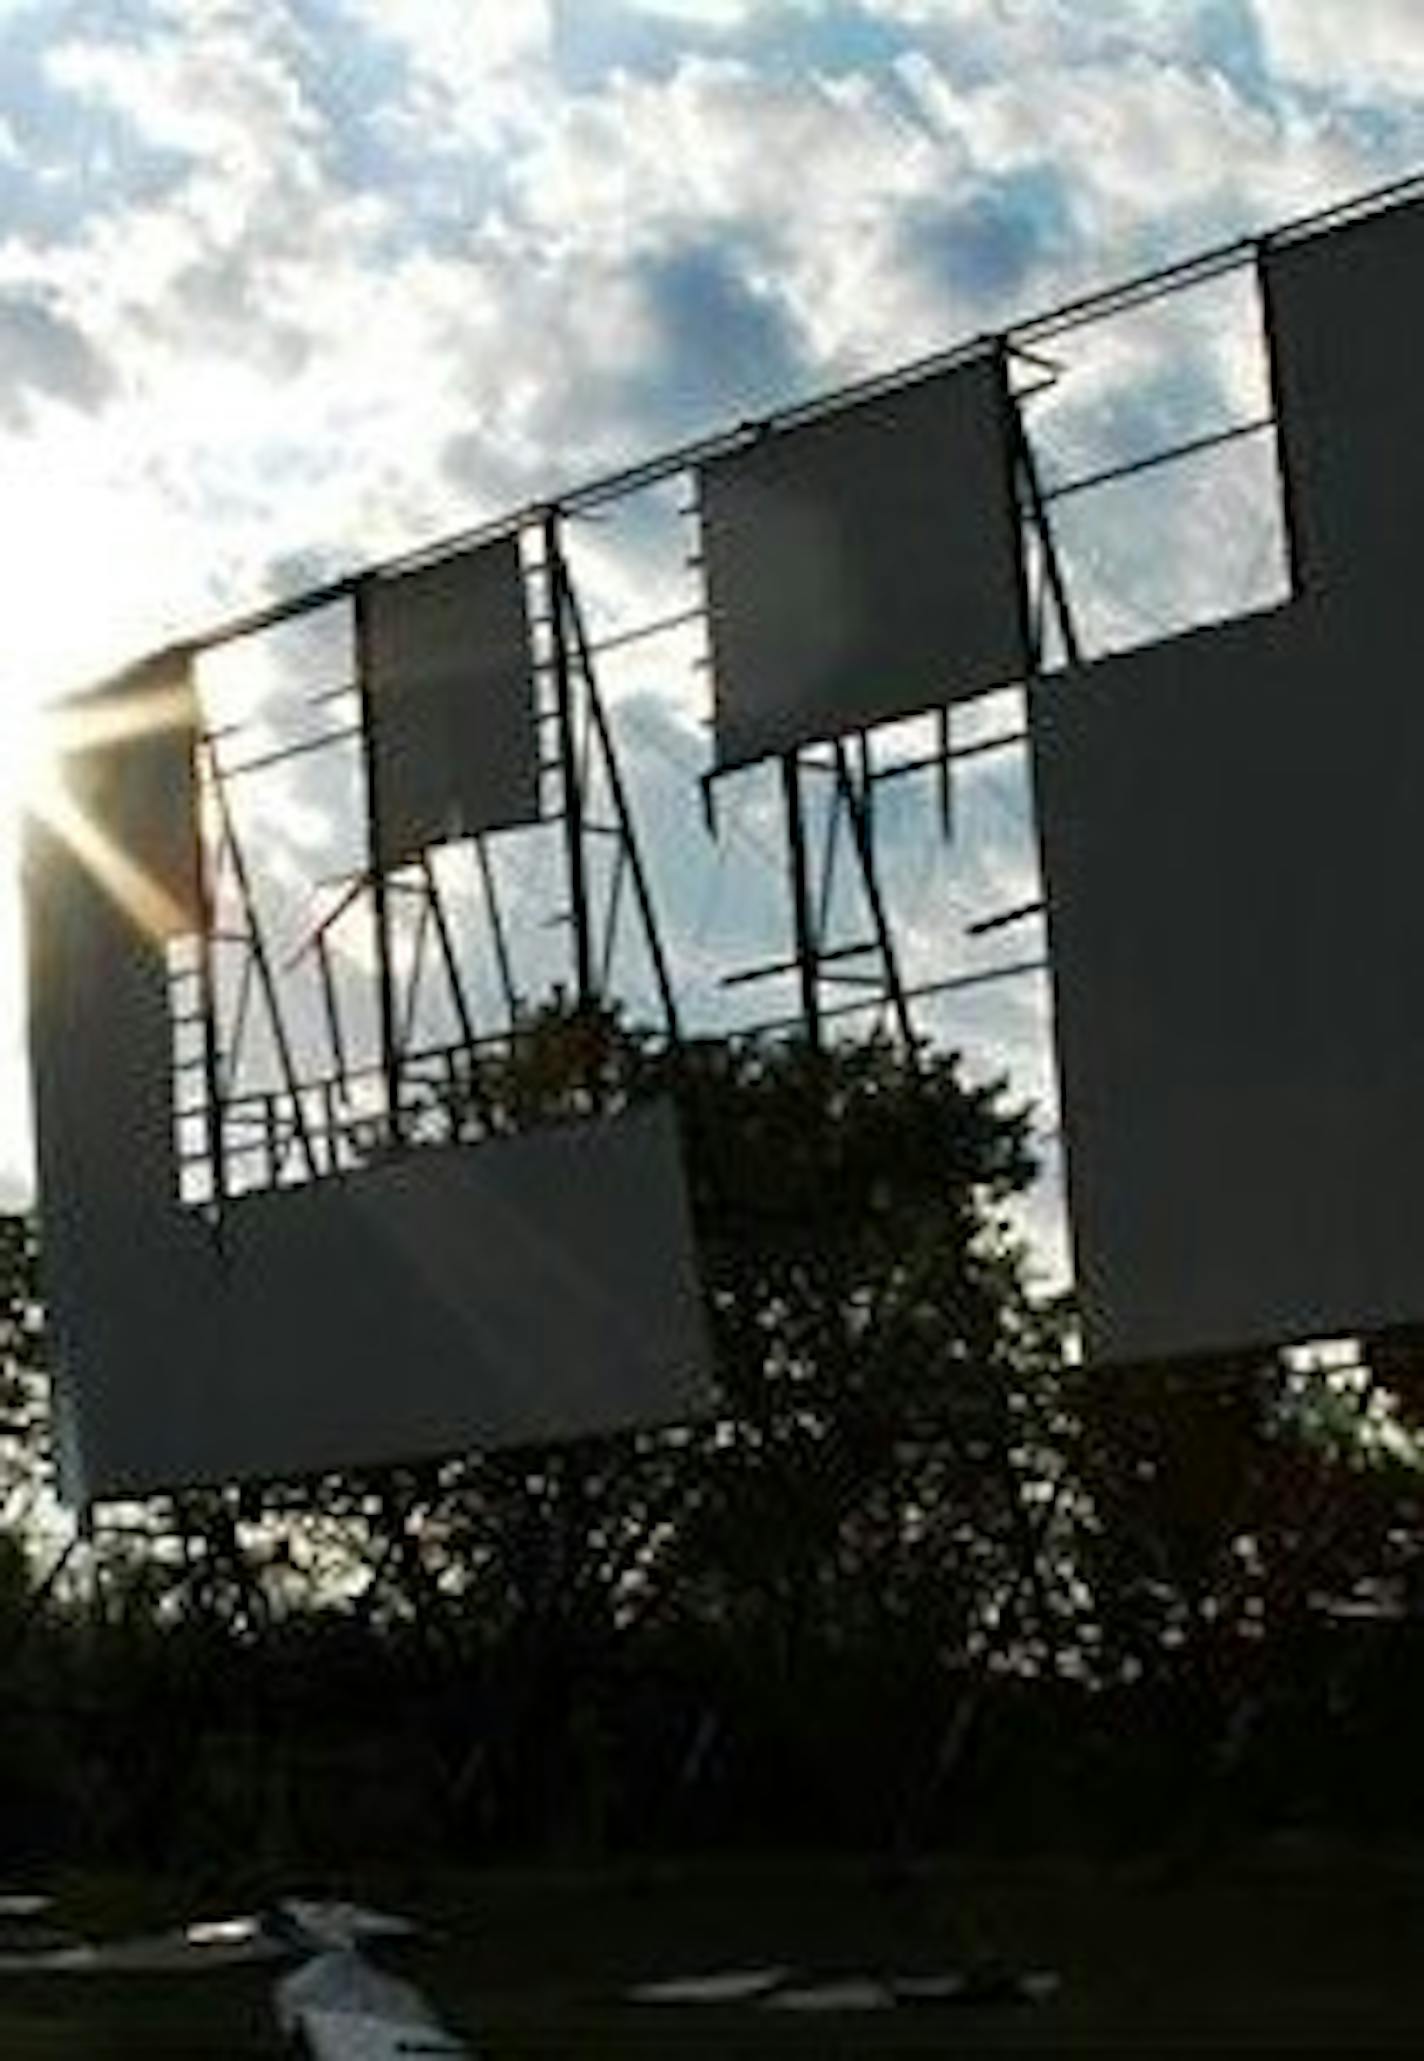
point(207, 873)
point(865, 852)
point(380, 902)
point(332, 1008)
point(1285, 479)
point(448, 955)
point(257, 946)
point(557, 583)
point(801, 898)
point(629, 849)
point(1053, 571)
point(828, 865)
point(946, 773)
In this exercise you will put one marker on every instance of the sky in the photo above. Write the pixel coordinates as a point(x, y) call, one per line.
point(287, 286)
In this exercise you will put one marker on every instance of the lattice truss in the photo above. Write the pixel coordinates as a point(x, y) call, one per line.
point(1141, 459)
point(323, 1039)
point(421, 790)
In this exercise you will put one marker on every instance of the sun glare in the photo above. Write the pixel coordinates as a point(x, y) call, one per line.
point(29, 762)
point(50, 745)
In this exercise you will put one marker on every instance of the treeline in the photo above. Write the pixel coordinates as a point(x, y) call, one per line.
point(917, 1580)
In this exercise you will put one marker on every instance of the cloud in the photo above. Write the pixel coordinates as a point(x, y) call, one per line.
point(1370, 49)
point(1139, 149)
point(43, 352)
point(618, 361)
point(718, 344)
point(468, 76)
point(987, 39)
point(318, 358)
point(713, 14)
point(992, 243)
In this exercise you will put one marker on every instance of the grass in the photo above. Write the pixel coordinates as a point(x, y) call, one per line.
point(1278, 1951)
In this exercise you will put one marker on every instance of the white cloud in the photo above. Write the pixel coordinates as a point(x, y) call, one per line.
point(1366, 49)
point(984, 35)
point(715, 14)
point(477, 75)
point(887, 214)
point(296, 354)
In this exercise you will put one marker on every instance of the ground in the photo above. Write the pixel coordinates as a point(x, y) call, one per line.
point(1291, 1948)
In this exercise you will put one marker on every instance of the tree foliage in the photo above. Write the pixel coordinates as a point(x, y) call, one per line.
point(912, 1565)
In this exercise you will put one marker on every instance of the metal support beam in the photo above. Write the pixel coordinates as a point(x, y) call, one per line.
point(332, 1009)
point(1019, 913)
point(459, 1000)
point(927, 990)
point(828, 865)
point(449, 958)
point(945, 767)
point(776, 969)
point(865, 851)
point(207, 872)
point(804, 931)
point(262, 965)
point(1053, 570)
point(385, 978)
point(557, 581)
point(630, 848)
